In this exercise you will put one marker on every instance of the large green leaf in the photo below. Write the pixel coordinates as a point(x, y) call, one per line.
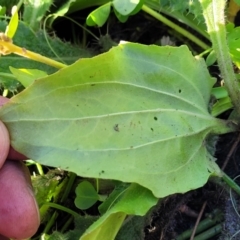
point(136, 114)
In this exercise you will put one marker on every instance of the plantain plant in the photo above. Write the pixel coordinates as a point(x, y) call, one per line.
point(140, 115)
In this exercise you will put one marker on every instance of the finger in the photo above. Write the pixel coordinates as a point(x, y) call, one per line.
point(13, 155)
point(4, 143)
point(3, 100)
point(19, 216)
point(3, 238)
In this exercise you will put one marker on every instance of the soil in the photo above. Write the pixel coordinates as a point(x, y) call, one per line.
point(177, 213)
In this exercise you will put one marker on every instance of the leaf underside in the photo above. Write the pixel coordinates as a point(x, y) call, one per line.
point(136, 114)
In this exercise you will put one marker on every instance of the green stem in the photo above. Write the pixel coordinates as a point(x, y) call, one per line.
point(97, 185)
point(29, 54)
point(50, 222)
point(68, 188)
point(203, 225)
point(177, 28)
point(187, 18)
point(62, 208)
point(40, 169)
point(213, 12)
point(67, 224)
point(209, 233)
point(231, 183)
point(5, 93)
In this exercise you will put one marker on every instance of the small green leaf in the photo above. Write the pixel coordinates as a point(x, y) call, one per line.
point(120, 17)
point(125, 7)
point(2, 11)
point(27, 76)
point(138, 7)
point(219, 92)
point(234, 43)
point(134, 200)
point(222, 105)
point(86, 195)
point(99, 16)
point(13, 24)
point(114, 197)
point(34, 11)
point(211, 58)
point(61, 11)
point(123, 18)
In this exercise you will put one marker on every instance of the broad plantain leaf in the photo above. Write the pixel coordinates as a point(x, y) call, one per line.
point(135, 114)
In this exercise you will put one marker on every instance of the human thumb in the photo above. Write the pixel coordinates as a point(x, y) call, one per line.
point(4, 143)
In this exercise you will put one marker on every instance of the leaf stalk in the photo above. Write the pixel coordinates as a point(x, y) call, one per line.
point(213, 12)
point(7, 47)
point(174, 26)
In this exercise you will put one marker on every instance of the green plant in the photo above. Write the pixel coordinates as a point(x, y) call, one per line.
point(136, 114)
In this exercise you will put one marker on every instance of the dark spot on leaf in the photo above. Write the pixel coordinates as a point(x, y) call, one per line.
point(92, 84)
point(155, 118)
point(152, 129)
point(131, 147)
point(77, 105)
point(139, 122)
point(180, 90)
point(116, 128)
point(103, 171)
